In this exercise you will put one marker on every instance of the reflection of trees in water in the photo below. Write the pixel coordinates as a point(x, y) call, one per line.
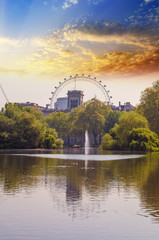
point(150, 191)
point(17, 173)
point(69, 191)
point(80, 190)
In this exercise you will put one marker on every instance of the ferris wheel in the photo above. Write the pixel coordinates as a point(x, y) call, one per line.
point(71, 83)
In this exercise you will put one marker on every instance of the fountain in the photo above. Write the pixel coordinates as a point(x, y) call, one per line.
point(87, 144)
point(84, 157)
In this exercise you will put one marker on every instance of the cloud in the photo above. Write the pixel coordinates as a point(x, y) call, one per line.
point(95, 2)
point(103, 47)
point(7, 41)
point(104, 28)
point(66, 52)
point(19, 72)
point(147, 1)
point(45, 3)
point(73, 1)
point(69, 3)
point(127, 63)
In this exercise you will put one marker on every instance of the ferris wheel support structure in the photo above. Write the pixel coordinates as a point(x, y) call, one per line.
point(4, 93)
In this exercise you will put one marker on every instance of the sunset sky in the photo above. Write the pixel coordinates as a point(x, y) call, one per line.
point(44, 41)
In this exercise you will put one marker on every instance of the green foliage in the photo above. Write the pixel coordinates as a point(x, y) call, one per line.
point(35, 111)
point(127, 122)
point(142, 139)
point(51, 141)
point(149, 106)
point(95, 105)
point(108, 143)
point(79, 121)
point(11, 110)
point(58, 121)
point(30, 131)
point(24, 128)
point(118, 135)
point(111, 120)
point(50, 137)
point(59, 143)
point(92, 117)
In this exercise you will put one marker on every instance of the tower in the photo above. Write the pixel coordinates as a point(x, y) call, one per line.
point(75, 98)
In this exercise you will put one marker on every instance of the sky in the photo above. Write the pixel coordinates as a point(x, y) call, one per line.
point(44, 41)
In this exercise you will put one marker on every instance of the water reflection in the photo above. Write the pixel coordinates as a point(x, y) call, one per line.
point(79, 190)
point(150, 190)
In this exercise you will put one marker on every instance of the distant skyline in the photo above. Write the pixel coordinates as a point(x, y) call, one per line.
point(44, 41)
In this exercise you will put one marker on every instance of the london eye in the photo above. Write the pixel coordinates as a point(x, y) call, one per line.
point(81, 82)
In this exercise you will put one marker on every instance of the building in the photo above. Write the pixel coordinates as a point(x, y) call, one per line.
point(61, 103)
point(126, 107)
point(75, 99)
point(28, 104)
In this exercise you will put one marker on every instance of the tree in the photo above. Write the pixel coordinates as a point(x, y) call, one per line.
point(51, 140)
point(30, 131)
point(119, 133)
point(24, 128)
point(58, 121)
point(107, 142)
point(149, 106)
point(142, 139)
point(97, 112)
point(35, 111)
point(90, 116)
point(127, 122)
point(78, 119)
point(111, 119)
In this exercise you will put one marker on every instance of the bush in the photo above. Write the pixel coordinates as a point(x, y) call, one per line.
point(108, 143)
point(142, 139)
point(51, 140)
point(59, 143)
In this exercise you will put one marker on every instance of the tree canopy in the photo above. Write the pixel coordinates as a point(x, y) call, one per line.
point(90, 116)
point(149, 106)
point(58, 121)
point(22, 127)
point(142, 139)
point(127, 122)
point(111, 119)
point(118, 135)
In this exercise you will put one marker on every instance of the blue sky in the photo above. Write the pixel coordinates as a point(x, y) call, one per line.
point(32, 17)
point(43, 41)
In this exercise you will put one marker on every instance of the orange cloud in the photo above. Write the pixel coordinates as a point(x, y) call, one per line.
point(107, 48)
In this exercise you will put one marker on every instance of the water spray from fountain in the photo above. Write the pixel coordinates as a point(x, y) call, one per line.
point(87, 144)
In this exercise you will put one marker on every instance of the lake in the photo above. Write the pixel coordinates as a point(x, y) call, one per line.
point(67, 195)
